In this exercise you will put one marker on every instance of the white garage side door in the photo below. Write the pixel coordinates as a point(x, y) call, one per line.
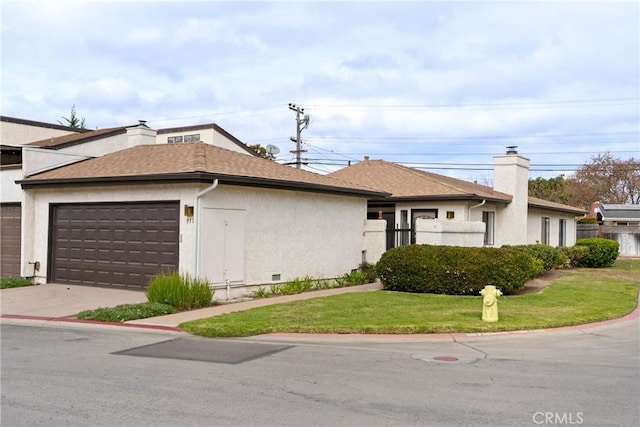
point(222, 245)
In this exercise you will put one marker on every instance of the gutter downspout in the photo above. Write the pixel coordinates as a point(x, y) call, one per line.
point(475, 206)
point(196, 239)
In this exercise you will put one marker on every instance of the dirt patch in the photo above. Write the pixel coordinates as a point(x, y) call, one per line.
point(539, 283)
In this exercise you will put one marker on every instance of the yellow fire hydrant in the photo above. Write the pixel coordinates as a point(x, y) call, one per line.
point(490, 303)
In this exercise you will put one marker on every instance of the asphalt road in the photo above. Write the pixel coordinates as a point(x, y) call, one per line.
point(71, 376)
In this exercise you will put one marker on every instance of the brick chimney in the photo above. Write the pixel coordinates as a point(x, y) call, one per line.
point(511, 176)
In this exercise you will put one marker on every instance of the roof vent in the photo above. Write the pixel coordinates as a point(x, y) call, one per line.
point(512, 149)
point(142, 122)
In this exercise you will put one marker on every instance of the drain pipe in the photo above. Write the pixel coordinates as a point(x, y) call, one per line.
point(196, 238)
point(475, 206)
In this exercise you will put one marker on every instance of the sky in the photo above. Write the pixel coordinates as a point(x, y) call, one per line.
point(442, 86)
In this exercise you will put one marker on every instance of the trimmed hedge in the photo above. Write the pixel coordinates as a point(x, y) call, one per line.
point(571, 255)
point(550, 256)
point(456, 270)
point(601, 252)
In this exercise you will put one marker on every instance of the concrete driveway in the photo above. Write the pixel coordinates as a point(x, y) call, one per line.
point(55, 300)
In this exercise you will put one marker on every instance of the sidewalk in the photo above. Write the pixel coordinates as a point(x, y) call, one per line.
point(173, 320)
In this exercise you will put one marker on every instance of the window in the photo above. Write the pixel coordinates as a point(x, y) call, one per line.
point(489, 219)
point(174, 139)
point(546, 226)
point(192, 138)
point(451, 214)
point(562, 236)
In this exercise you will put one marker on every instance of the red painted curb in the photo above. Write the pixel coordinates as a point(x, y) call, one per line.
point(90, 322)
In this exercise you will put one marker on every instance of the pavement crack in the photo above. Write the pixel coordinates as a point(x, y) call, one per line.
point(486, 355)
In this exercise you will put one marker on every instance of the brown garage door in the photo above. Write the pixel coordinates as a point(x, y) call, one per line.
point(10, 240)
point(114, 244)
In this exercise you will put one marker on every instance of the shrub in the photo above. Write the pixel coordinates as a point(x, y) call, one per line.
point(182, 291)
point(571, 255)
point(549, 255)
point(14, 282)
point(354, 278)
point(369, 270)
point(455, 270)
point(587, 220)
point(601, 252)
point(295, 286)
point(126, 312)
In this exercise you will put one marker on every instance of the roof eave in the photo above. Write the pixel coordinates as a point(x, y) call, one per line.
point(440, 197)
point(567, 209)
point(201, 177)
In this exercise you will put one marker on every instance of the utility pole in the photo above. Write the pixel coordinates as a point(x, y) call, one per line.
point(301, 124)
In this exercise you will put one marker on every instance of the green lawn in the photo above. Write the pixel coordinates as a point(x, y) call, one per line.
point(580, 296)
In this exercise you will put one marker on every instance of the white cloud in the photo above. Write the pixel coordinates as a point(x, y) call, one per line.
point(357, 65)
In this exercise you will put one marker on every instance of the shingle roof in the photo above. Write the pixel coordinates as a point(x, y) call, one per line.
point(77, 138)
point(545, 204)
point(409, 183)
point(192, 161)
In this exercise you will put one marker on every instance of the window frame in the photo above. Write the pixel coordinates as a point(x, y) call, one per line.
point(489, 219)
point(545, 230)
point(562, 232)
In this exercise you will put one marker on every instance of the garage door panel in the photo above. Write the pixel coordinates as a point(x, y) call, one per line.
point(114, 244)
point(10, 244)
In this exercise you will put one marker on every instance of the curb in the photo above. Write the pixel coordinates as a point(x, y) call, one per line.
point(635, 314)
point(88, 322)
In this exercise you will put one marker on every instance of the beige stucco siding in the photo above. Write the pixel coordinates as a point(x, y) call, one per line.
point(20, 134)
point(534, 227)
point(208, 136)
point(290, 233)
point(10, 192)
point(295, 234)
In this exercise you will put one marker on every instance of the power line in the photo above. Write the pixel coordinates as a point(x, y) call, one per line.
point(531, 104)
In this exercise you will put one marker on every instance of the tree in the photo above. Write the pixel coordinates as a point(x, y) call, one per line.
point(262, 152)
point(552, 189)
point(606, 179)
point(73, 120)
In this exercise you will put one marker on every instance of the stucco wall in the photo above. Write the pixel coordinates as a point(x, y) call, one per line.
point(10, 192)
point(290, 233)
point(511, 176)
point(208, 136)
point(20, 134)
point(375, 239)
point(449, 233)
point(295, 234)
point(534, 227)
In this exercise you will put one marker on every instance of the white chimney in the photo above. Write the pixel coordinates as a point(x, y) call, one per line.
point(511, 176)
point(141, 134)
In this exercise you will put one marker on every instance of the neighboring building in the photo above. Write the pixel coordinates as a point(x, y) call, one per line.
point(15, 133)
point(238, 220)
point(435, 209)
point(622, 224)
point(208, 133)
